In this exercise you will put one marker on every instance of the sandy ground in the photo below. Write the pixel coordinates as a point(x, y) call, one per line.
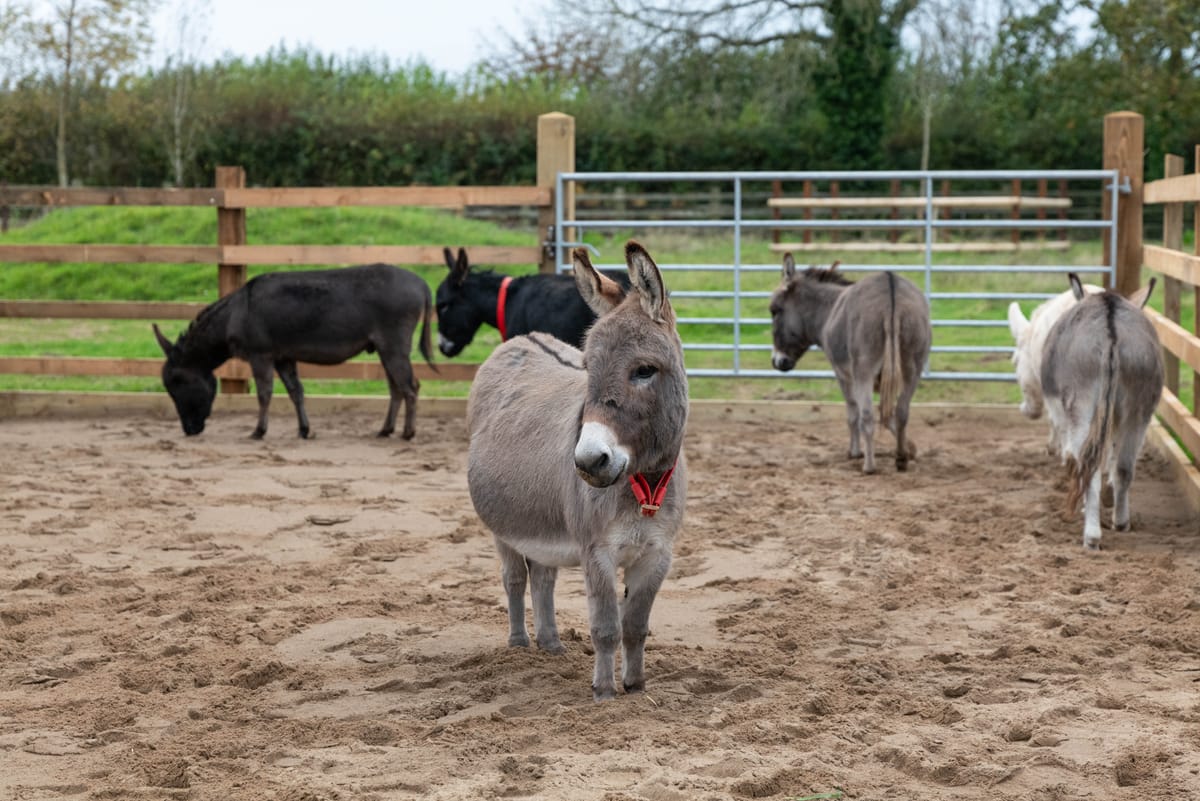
point(219, 618)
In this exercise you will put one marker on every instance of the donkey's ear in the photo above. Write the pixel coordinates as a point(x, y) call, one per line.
point(448, 255)
point(1142, 296)
point(163, 342)
point(1076, 286)
point(647, 281)
point(1016, 321)
point(458, 269)
point(599, 292)
point(789, 267)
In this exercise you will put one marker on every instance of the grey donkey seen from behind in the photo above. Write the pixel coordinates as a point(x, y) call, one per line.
point(576, 459)
point(1102, 378)
point(875, 333)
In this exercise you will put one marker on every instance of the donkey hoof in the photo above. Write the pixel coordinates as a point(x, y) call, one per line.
point(603, 693)
point(636, 687)
point(869, 470)
point(306, 434)
point(554, 647)
point(902, 465)
point(1122, 526)
point(385, 433)
point(258, 433)
point(1092, 546)
point(408, 434)
point(518, 641)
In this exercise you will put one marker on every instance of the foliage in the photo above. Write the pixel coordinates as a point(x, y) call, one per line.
point(848, 87)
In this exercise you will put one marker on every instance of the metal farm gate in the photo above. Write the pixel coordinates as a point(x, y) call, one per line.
point(943, 240)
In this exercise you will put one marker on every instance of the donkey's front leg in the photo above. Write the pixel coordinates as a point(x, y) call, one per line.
point(541, 587)
point(642, 581)
point(604, 612)
point(264, 386)
point(513, 571)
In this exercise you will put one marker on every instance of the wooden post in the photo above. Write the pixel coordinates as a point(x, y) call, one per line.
point(555, 154)
point(1173, 239)
point(894, 233)
point(1016, 212)
point(776, 212)
point(1124, 135)
point(1062, 211)
point(835, 190)
point(231, 230)
point(1196, 295)
point(1043, 187)
point(808, 214)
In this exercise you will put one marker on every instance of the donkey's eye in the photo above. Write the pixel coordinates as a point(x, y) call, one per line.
point(644, 372)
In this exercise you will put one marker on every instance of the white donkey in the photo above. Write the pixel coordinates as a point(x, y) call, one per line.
point(1030, 338)
point(1102, 378)
point(575, 459)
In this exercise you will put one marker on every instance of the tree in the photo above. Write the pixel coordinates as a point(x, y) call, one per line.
point(179, 83)
point(861, 39)
point(87, 41)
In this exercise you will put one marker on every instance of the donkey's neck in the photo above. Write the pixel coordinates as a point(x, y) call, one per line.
point(206, 342)
point(483, 293)
point(827, 295)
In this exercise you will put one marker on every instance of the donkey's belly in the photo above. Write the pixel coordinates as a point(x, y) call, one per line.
point(549, 551)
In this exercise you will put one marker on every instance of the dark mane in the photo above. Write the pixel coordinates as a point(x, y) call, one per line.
point(827, 275)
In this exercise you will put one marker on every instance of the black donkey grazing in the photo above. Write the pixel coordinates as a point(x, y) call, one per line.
point(316, 316)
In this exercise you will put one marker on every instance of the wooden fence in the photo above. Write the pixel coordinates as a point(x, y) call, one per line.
point(1180, 270)
point(230, 198)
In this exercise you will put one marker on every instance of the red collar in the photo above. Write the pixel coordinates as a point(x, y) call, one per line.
point(500, 301)
point(651, 502)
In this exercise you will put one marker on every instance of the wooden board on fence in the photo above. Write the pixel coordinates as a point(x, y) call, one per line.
point(365, 254)
point(1180, 189)
point(1176, 339)
point(1181, 422)
point(939, 202)
point(434, 196)
point(919, 247)
point(84, 366)
point(99, 310)
point(100, 196)
point(1172, 263)
point(111, 254)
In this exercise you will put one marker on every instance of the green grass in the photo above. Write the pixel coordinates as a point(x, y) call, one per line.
point(412, 226)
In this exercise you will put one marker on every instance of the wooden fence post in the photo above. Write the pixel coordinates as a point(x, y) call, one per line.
point(231, 230)
point(776, 212)
point(1196, 294)
point(555, 154)
point(1172, 289)
point(1124, 135)
point(1016, 212)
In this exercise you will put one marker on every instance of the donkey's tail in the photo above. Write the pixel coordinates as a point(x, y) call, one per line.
point(1084, 465)
point(426, 345)
point(891, 379)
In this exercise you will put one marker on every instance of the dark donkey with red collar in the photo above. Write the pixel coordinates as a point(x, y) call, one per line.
point(547, 302)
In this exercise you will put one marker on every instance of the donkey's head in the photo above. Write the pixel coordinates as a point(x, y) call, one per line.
point(799, 308)
point(457, 317)
point(637, 392)
point(191, 388)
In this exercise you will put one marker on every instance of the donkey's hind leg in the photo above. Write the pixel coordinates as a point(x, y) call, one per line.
point(402, 385)
point(295, 390)
point(866, 422)
point(1128, 443)
point(855, 451)
point(514, 571)
point(541, 587)
point(905, 448)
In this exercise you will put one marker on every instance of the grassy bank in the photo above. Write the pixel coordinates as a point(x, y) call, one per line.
point(149, 282)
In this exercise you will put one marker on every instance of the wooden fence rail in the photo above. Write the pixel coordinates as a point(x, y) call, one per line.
point(231, 198)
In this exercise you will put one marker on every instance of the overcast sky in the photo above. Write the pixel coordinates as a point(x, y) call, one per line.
point(450, 35)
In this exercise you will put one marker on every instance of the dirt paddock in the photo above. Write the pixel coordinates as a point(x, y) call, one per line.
point(220, 618)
